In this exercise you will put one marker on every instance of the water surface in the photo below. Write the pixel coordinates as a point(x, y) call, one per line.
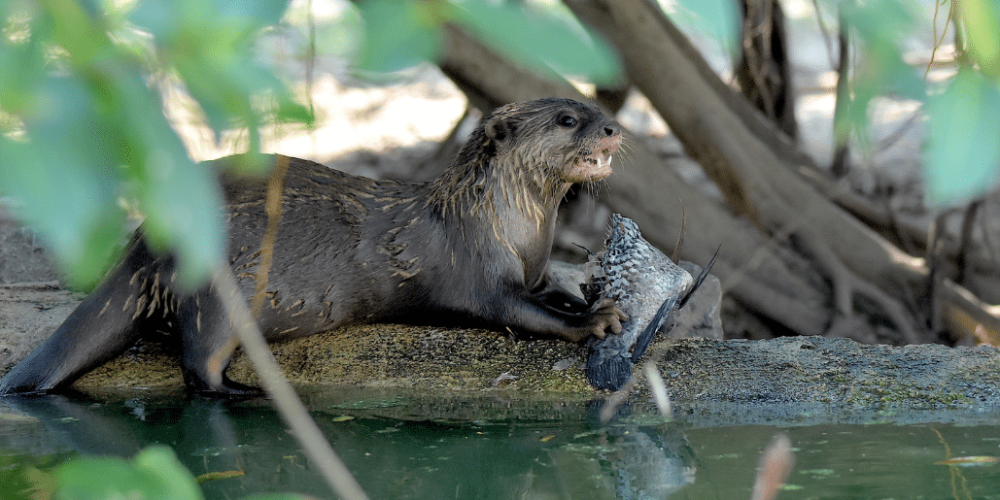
point(402, 445)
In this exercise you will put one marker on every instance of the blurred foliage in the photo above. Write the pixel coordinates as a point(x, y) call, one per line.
point(83, 134)
point(81, 96)
point(881, 29)
point(548, 45)
point(82, 86)
point(29, 476)
point(719, 19)
point(963, 148)
point(402, 34)
point(155, 473)
point(963, 151)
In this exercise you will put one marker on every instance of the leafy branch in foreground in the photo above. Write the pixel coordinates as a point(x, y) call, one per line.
point(83, 125)
point(963, 151)
point(155, 472)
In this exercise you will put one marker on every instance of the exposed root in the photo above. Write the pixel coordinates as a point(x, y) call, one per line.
point(964, 315)
point(968, 219)
point(845, 284)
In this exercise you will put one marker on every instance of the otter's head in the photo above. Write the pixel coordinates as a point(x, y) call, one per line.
point(528, 154)
point(553, 139)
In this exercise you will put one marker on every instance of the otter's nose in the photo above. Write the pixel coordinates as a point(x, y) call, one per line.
point(612, 129)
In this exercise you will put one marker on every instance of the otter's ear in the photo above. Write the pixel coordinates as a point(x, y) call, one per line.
point(498, 129)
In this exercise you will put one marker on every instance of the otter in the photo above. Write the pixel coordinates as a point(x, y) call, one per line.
point(470, 248)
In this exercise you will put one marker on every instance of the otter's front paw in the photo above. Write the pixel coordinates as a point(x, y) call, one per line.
point(601, 315)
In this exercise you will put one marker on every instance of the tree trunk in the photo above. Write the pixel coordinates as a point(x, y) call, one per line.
point(763, 70)
point(757, 180)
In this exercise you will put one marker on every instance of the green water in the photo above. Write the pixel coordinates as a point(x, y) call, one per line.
point(402, 446)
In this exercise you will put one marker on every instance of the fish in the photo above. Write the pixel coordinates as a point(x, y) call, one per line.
point(646, 285)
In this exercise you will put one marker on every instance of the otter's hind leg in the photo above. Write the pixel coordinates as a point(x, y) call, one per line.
point(105, 324)
point(208, 340)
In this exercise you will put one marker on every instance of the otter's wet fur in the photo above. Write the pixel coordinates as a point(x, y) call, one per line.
point(470, 248)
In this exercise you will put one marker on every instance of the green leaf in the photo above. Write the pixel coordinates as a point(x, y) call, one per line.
point(220, 103)
point(883, 24)
point(982, 22)
point(886, 22)
point(158, 17)
point(99, 479)
point(539, 41)
point(16, 87)
point(160, 463)
point(964, 148)
point(279, 496)
point(69, 206)
point(94, 131)
point(881, 27)
point(398, 35)
point(66, 185)
point(258, 12)
point(719, 18)
point(208, 43)
point(206, 18)
point(154, 474)
point(181, 200)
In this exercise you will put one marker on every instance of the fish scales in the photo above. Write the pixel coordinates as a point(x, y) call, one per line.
point(643, 281)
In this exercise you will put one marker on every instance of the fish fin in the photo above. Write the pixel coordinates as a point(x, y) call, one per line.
point(699, 281)
point(646, 337)
point(585, 249)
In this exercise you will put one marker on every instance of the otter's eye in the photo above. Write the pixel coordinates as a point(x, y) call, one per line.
point(566, 121)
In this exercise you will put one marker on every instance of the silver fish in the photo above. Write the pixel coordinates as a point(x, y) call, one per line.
point(646, 285)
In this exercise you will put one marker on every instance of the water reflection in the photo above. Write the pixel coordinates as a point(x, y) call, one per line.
point(648, 461)
point(561, 453)
point(195, 428)
point(402, 446)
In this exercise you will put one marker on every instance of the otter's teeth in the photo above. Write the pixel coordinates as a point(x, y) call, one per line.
point(605, 162)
